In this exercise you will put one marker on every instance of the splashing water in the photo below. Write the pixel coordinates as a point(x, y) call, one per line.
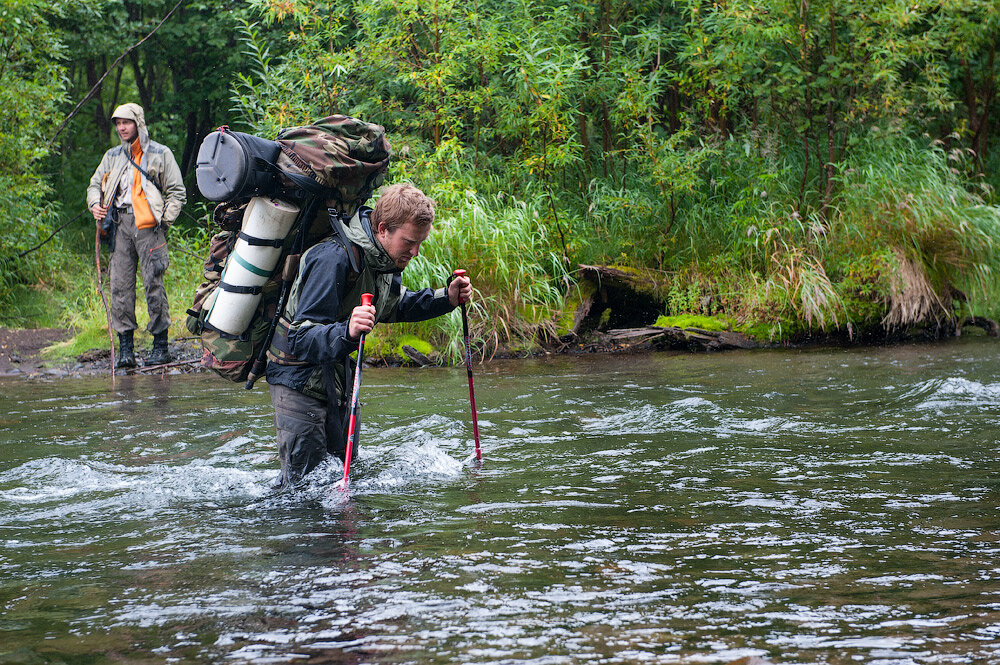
point(822, 507)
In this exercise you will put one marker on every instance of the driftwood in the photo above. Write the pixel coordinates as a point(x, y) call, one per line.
point(416, 356)
point(678, 338)
point(156, 368)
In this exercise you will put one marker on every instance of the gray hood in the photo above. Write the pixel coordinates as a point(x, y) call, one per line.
point(134, 112)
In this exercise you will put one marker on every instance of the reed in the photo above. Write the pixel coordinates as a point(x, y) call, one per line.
point(520, 282)
point(915, 212)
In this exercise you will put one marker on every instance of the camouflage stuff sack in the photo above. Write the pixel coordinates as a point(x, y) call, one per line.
point(344, 156)
point(340, 160)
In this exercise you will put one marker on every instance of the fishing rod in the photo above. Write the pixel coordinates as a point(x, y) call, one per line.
point(468, 369)
point(352, 428)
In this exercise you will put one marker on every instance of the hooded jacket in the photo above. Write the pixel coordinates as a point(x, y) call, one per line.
point(157, 161)
point(311, 344)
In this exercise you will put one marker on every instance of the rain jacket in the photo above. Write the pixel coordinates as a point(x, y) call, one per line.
point(311, 344)
point(157, 161)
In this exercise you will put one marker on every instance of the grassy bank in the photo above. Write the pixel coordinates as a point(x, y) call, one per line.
point(907, 240)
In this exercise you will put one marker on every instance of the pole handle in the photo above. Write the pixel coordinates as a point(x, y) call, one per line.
point(459, 272)
point(366, 298)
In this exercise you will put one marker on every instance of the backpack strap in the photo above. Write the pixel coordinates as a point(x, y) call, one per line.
point(261, 242)
point(340, 236)
point(305, 183)
point(140, 170)
point(247, 290)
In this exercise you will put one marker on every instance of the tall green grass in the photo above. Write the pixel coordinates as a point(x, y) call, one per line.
point(928, 230)
point(32, 265)
point(520, 282)
point(909, 238)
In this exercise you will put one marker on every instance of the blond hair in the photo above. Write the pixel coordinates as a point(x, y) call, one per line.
point(402, 203)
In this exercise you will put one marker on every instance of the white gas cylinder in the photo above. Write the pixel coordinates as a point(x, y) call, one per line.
point(249, 265)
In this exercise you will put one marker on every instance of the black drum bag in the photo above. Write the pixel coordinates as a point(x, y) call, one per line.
point(233, 165)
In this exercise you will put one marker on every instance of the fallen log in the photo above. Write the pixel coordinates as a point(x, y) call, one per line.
point(678, 338)
point(618, 298)
point(416, 356)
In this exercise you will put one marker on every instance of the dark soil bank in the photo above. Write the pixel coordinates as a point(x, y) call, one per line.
point(20, 351)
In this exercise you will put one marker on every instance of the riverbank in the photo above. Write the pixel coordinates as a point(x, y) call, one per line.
point(22, 351)
point(22, 355)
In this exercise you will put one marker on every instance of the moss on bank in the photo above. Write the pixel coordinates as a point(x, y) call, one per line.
point(693, 321)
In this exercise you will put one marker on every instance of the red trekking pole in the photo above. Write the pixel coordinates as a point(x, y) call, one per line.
point(352, 427)
point(468, 368)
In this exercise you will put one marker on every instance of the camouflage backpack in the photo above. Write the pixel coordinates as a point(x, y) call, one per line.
point(339, 160)
point(347, 158)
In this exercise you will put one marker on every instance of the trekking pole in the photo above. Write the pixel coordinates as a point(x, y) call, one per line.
point(352, 427)
point(468, 368)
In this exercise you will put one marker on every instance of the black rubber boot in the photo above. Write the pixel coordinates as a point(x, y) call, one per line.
point(160, 354)
point(126, 352)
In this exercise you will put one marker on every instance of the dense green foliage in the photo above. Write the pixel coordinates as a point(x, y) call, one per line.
point(32, 86)
point(790, 165)
point(796, 165)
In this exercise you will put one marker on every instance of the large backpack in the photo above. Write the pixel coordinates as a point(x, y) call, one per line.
point(339, 158)
point(330, 168)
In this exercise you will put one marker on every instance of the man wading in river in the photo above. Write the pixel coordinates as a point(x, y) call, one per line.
point(140, 184)
point(321, 325)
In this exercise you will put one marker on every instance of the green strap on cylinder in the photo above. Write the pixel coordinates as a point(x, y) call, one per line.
point(251, 267)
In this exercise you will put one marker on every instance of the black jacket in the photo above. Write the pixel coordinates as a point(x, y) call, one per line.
point(312, 344)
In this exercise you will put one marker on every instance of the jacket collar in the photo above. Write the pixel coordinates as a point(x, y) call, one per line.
point(359, 232)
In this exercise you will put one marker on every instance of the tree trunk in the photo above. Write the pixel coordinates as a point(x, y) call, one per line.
point(979, 122)
point(145, 93)
point(190, 142)
point(101, 121)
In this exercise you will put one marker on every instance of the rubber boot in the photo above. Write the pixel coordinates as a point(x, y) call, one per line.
point(126, 352)
point(160, 354)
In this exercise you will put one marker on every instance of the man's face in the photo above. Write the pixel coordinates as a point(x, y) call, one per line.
point(127, 129)
point(404, 243)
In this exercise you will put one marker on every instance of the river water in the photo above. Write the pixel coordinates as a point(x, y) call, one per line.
point(820, 506)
